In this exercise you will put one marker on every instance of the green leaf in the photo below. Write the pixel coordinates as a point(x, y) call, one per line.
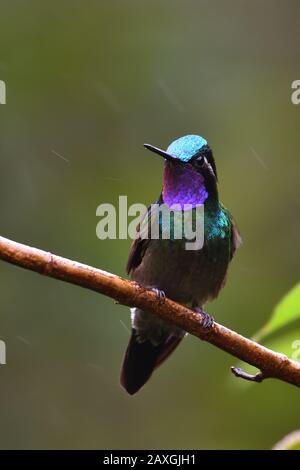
point(287, 311)
point(287, 343)
point(282, 332)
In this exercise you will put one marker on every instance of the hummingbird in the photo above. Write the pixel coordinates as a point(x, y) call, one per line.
point(189, 277)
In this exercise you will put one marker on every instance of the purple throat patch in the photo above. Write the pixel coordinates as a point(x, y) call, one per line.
point(182, 185)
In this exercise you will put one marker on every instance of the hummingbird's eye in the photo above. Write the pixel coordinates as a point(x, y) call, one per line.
point(200, 161)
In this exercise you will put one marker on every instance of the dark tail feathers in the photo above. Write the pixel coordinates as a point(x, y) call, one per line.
point(141, 358)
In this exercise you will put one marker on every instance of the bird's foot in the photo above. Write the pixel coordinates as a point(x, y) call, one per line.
point(160, 294)
point(207, 320)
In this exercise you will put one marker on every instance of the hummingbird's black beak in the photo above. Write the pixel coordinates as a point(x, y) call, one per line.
point(162, 153)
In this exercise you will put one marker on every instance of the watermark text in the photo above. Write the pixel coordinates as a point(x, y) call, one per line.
point(158, 222)
point(295, 97)
point(2, 92)
point(2, 352)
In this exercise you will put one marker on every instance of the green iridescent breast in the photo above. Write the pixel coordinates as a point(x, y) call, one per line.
point(214, 220)
point(217, 223)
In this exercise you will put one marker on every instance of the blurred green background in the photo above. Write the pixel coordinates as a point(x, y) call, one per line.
point(87, 84)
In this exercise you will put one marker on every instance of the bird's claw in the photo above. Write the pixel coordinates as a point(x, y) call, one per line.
point(207, 319)
point(160, 294)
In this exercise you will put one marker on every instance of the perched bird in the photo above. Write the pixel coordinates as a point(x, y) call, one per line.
point(190, 277)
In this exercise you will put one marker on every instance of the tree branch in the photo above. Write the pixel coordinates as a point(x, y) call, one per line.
point(269, 363)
